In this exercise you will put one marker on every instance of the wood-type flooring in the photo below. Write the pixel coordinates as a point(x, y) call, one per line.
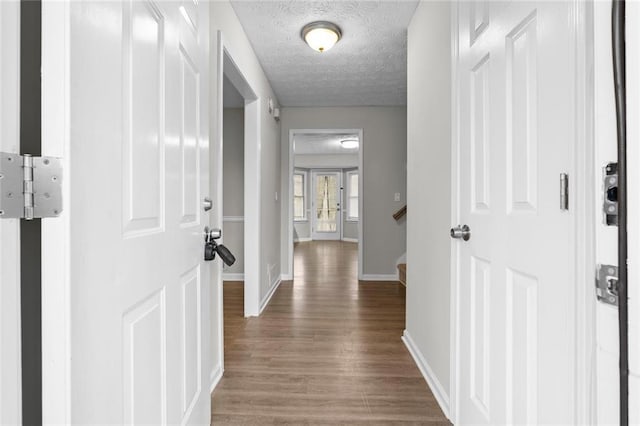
point(326, 350)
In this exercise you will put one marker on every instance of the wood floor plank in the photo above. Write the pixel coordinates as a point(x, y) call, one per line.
point(326, 350)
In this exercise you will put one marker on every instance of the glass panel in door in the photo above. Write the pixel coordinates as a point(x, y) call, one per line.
point(326, 203)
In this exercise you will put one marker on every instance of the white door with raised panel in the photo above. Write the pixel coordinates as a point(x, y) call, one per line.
point(136, 118)
point(10, 370)
point(326, 219)
point(516, 124)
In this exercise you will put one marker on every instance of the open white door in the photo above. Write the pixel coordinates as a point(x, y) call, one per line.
point(125, 102)
point(516, 294)
point(326, 219)
point(10, 370)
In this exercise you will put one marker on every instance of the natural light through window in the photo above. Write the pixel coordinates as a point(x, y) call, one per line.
point(352, 195)
point(299, 196)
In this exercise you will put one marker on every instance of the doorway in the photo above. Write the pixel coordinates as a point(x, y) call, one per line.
point(326, 183)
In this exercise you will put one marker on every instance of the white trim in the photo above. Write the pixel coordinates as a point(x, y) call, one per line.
point(302, 240)
point(230, 276)
point(252, 170)
point(379, 277)
point(454, 335)
point(56, 269)
point(267, 298)
point(233, 219)
point(216, 376)
point(349, 240)
point(286, 277)
point(432, 381)
point(584, 233)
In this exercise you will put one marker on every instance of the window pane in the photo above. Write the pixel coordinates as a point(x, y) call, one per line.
point(298, 185)
point(353, 207)
point(298, 208)
point(353, 185)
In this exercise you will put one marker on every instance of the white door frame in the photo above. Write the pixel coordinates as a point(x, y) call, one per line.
point(252, 149)
point(289, 200)
point(582, 200)
point(10, 309)
point(56, 274)
point(340, 216)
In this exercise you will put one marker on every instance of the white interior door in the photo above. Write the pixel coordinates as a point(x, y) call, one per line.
point(10, 370)
point(516, 125)
point(137, 154)
point(326, 191)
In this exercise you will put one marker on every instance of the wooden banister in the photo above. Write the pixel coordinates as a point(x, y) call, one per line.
point(397, 215)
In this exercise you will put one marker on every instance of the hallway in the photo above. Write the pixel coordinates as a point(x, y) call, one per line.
point(326, 350)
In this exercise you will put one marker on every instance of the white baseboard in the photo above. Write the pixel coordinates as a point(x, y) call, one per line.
point(350, 240)
point(216, 376)
point(379, 277)
point(302, 240)
point(265, 301)
point(432, 381)
point(230, 276)
point(286, 277)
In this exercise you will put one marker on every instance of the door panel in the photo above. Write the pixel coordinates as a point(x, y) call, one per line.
point(139, 172)
point(516, 112)
point(10, 344)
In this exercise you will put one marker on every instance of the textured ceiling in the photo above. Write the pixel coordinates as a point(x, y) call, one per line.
point(322, 143)
point(368, 66)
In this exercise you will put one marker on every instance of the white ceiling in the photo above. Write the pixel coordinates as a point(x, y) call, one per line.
point(322, 143)
point(367, 67)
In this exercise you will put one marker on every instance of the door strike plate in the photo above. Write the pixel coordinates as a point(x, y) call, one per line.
point(610, 190)
point(607, 284)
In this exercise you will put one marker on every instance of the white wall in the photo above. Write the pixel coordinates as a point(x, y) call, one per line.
point(384, 154)
point(233, 184)
point(429, 187)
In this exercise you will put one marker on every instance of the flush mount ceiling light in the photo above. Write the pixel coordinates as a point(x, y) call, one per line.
point(321, 35)
point(350, 143)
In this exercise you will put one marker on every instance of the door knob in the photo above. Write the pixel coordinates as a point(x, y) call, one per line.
point(461, 232)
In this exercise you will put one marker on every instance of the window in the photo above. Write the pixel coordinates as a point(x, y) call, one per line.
point(352, 196)
point(299, 196)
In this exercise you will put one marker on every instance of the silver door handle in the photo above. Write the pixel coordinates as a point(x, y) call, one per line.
point(461, 232)
point(212, 233)
point(207, 204)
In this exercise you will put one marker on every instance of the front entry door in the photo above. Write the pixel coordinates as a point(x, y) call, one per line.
point(138, 147)
point(325, 205)
point(516, 126)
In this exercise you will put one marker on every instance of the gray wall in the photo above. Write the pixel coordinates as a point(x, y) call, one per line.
point(384, 155)
point(336, 161)
point(233, 182)
point(429, 161)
